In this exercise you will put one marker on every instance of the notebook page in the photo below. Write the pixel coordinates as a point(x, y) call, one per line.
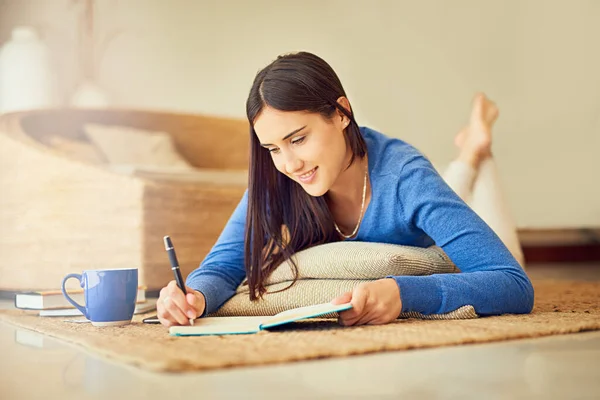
point(304, 312)
point(219, 325)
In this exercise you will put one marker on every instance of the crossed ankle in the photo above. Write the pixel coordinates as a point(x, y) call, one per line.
point(474, 158)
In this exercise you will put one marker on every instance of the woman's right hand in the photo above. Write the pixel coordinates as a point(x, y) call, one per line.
point(175, 308)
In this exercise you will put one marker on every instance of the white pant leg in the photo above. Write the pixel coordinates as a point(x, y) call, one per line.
point(482, 191)
point(460, 177)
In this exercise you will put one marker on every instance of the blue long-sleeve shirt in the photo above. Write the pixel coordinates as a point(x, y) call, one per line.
point(410, 205)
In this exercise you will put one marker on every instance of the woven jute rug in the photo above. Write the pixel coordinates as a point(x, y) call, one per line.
point(561, 307)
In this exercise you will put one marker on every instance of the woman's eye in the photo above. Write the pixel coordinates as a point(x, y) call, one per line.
point(298, 140)
point(273, 150)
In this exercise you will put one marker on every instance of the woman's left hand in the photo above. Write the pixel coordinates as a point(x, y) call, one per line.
point(373, 303)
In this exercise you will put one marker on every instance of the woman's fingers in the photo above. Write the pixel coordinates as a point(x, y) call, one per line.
point(360, 297)
point(197, 303)
point(175, 311)
point(376, 302)
point(345, 298)
point(172, 306)
point(372, 316)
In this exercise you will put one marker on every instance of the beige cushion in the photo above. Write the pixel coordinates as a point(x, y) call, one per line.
point(131, 148)
point(76, 149)
point(329, 270)
point(197, 176)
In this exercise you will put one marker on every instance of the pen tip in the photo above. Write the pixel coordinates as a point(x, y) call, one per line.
point(168, 242)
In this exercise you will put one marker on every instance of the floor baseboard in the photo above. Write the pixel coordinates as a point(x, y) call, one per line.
point(572, 245)
point(562, 254)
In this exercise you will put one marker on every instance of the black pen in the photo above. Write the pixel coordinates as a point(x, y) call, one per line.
point(175, 267)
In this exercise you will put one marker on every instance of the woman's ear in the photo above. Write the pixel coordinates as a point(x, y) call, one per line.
point(343, 101)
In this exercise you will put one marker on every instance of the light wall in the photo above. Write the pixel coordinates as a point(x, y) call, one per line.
point(410, 69)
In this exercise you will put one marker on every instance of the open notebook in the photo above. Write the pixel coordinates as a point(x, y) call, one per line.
point(246, 325)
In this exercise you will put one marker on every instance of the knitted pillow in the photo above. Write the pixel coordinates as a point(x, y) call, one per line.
point(327, 271)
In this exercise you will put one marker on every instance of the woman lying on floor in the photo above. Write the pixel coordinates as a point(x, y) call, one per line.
point(316, 172)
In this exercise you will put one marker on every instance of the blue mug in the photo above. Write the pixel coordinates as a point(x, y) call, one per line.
point(110, 295)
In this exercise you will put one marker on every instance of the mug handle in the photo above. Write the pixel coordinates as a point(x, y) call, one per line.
point(79, 307)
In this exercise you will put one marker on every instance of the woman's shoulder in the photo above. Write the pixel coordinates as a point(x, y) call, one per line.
point(389, 155)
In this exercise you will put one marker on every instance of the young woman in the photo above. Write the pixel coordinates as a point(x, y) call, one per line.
point(317, 177)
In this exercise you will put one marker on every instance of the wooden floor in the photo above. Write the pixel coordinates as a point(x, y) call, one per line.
point(587, 271)
point(556, 367)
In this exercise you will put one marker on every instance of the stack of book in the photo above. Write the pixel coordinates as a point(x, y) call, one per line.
point(52, 303)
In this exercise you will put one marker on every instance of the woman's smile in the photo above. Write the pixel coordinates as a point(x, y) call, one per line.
point(309, 176)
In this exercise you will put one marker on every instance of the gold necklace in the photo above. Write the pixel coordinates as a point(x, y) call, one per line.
point(362, 208)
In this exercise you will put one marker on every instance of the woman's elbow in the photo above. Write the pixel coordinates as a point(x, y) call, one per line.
point(527, 294)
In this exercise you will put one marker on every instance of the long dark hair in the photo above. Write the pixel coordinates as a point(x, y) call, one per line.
point(293, 82)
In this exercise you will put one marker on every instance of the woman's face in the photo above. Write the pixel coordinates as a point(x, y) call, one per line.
point(306, 147)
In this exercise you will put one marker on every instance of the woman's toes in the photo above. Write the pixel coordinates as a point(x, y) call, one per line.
point(491, 113)
point(477, 110)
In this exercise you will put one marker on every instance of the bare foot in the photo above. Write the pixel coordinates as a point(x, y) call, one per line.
point(475, 141)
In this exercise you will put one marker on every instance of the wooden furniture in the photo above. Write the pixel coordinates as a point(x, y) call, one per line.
point(61, 214)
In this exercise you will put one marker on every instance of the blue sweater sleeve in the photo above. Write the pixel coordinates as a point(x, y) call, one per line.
point(491, 279)
point(222, 270)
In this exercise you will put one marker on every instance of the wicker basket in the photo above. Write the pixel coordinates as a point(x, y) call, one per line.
point(59, 214)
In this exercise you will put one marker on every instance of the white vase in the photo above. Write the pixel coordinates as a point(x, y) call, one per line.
point(27, 79)
point(89, 95)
